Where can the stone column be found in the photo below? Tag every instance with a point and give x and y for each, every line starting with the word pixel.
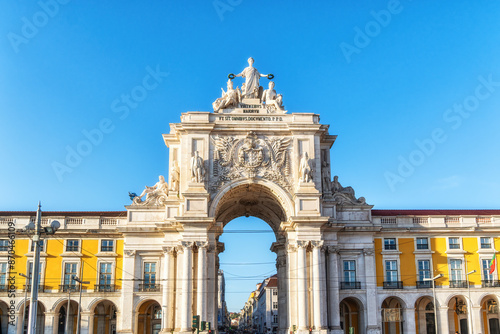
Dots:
pixel 443 319
pixel 17 329
pixel 372 308
pixel 85 322
pixel 187 276
pixel 302 286
pixel 409 320
pixel 49 323
pixel 201 307
pixel 212 282
pixel 317 285
pixel 281 264
pixel 291 267
pixel 167 308
pixel 477 323
pixel 333 290
pixel 127 313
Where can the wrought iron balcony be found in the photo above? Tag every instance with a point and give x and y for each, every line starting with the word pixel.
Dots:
pixel 27 288
pixel 490 283
pixel 393 284
pixel 424 284
pixel 104 288
pixel 69 287
pixel 149 287
pixel 458 284
pixel 350 285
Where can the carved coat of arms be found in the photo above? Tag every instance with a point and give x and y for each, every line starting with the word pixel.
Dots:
pixel 250 157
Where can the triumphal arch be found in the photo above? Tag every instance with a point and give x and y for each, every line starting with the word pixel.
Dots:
pixel 249 156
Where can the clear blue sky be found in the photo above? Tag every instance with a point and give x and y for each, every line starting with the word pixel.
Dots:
pixel 381 81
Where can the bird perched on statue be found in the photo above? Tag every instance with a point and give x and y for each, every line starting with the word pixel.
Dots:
pixel 132 195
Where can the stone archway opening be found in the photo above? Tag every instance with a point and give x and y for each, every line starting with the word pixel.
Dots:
pixel 4 317
pixel 61 315
pixel 148 318
pixel 104 318
pixel 424 315
pixel 40 318
pixel 351 315
pixel 458 314
pixel 393 315
pixel 268 212
pixel 490 314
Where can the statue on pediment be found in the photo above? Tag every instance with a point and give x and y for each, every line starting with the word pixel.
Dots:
pixel 229 99
pixel 252 76
pixel 271 99
pixel 155 195
pixel 345 195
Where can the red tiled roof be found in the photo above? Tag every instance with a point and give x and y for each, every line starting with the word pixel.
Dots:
pixel 435 212
pixel 65 213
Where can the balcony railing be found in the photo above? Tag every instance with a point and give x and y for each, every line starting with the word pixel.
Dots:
pixel 424 284
pixel 350 285
pixel 490 283
pixel 458 284
pixel 69 287
pixel 150 287
pixel 104 288
pixel 393 284
pixel 27 288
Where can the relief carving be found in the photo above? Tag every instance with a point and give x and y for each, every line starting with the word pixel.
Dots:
pixel 251 157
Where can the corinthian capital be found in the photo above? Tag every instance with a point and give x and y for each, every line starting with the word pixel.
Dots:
pixel 291 248
pixel 168 249
pixel 202 244
pixel 129 252
pixel 302 243
pixel 369 251
pixel 317 243
pixel 187 244
pixel 332 249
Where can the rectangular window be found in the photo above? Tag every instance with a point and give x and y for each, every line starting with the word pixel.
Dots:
pixel 391 271
pixel 486 242
pixel 41 246
pixel 456 270
pixel 150 273
pixel 485 266
pixel 275 292
pixel 106 245
pixel 72 245
pixel 350 271
pixel 422 243
pixel 4 245
pixel 3 274
pixel 69 272
pixel 390 243
pixel 454 243
pixel 275 318
pixel 30 273
pixel 105 274
pixel 275 305
pixel 424 269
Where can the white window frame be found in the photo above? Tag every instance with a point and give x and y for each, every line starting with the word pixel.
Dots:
pixel 79 245
pixel 398 278
pixel 107 239
pixel 113 265
pixel 7 240
pixel 462 268
pixel 31 246
pixel 42 271
pixel 460 245
pixel 389 250
pixel 158 269
pixel 428 244
pixel 430 267
pixel 63 265
pixel 344 271
pixel 481 244
pixel 493 276
pixel 7 272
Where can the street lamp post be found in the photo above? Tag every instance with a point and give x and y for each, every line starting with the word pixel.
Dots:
pixel 37 231
pixel 25 298
pixel 469 308
pixel 79 300
pixel 433 279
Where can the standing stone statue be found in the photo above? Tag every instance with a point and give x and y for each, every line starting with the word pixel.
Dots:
pixel 325 174
pixel 174 177
pixel 197 168
pixel 252 77
pixel 305 168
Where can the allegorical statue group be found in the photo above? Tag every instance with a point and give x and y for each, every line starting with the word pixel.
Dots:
pixel 250 89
